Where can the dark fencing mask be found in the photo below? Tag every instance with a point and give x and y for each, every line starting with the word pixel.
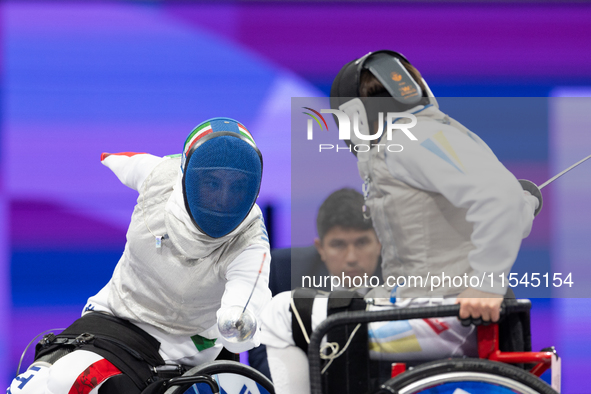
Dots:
pixel 222 171
pixel 400 91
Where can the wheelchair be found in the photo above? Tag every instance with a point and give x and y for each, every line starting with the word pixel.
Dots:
pixel 490 373
pixel 222 376
pixel 216 377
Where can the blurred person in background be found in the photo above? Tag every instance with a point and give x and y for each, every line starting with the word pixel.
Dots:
pixel 346 245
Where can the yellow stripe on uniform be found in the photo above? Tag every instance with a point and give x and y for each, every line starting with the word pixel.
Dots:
pixel 440 137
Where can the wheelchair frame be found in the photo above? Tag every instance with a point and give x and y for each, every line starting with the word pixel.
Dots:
pixel 488 336
pixel 204 374
pixel 488 345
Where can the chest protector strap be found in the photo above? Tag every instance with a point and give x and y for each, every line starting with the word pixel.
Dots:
pixel 303 300
pixel 129 348
pixel 349 373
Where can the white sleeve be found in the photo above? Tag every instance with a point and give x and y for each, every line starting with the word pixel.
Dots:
pixel 241 275
pixel 288 363
pixel 528 213
pixel 465 171
pixel 289 369
pixel 131 168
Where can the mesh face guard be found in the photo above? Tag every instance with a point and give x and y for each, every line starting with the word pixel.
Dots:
pixel 222 171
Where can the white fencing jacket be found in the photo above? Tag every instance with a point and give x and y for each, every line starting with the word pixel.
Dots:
pixel 177 289
pixel 444 205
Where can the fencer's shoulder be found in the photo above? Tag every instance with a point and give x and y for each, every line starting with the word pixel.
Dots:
pixel 258 233
pixel 433 135
pixel 175 157
pixel 426 128
pixel 256 217
pixel 164 168
pixel 253 230
pixel 172 161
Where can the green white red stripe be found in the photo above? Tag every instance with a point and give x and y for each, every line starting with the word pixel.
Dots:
pixel 196 134
pixel 205 129
pixel 246 133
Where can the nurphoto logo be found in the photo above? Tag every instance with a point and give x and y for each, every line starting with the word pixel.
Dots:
pixel 362 133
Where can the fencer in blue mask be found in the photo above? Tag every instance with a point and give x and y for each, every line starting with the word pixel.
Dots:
pixel 195 246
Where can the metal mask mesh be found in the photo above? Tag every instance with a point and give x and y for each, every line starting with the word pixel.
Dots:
pixel 222 181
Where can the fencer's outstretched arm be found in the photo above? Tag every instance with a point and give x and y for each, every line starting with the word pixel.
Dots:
pixel 131 168
pixel 464 170
pixel 241 275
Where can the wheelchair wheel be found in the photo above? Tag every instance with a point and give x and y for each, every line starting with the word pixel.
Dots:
pixel 231 376
pixel 466 376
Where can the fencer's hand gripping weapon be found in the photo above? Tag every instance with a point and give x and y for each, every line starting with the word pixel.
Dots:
pixel 536 190
pixel 237 325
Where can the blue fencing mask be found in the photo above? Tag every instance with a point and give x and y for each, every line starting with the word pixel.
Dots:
pixel 222 170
